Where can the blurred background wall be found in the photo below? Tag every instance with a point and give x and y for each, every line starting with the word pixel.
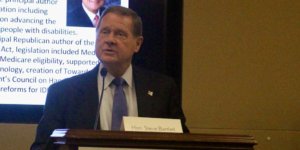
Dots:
pixel 241 61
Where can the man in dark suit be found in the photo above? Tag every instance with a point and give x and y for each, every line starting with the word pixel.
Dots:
pixel 73 102
pixel 85 15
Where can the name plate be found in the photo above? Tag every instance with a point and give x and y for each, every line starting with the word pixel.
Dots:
pixel 144 124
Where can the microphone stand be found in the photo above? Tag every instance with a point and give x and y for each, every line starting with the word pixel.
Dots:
pixel 103 73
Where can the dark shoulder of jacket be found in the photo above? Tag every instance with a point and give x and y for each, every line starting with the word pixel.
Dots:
pixel 152 74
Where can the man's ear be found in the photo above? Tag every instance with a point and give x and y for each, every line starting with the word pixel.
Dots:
pixel 139 42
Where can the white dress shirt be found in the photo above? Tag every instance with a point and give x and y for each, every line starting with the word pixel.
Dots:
pixel 90 14
pixel 108 94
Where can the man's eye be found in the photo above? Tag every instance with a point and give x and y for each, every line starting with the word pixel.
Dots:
pixel 105 32
pixel 121 34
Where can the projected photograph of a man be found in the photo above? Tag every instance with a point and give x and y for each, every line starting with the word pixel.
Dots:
pixel 86 13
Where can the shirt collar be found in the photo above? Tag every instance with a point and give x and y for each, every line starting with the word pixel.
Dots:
pixel 89 13
pixel 127 76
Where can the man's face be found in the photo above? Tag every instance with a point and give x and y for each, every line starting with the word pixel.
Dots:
pixel 93 5
pixel 115 42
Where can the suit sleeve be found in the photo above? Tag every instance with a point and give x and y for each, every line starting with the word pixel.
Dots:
pixel 52 118
pixel 176 106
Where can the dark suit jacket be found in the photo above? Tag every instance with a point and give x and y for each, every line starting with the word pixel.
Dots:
pixel 79 18
pixel 72 103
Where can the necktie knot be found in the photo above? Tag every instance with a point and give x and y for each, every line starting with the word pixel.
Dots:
pixel 96 21
pixel 118 81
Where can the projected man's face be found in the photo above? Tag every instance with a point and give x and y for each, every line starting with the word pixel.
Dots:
pixel 93 5
pixel 115 42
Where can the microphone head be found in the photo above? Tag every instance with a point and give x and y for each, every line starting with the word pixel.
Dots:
pixel 103 72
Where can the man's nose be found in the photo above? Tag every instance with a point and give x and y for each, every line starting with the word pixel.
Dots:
pixel 110 39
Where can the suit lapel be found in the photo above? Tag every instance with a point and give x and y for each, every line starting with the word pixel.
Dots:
pixel 87 100
pixel 144 98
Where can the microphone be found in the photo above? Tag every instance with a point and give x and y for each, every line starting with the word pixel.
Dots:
pixel 103 73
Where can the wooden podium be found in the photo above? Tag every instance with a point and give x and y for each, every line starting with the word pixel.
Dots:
pixel 71 139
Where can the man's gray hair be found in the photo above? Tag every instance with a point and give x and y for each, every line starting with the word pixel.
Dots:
pixel 137 25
